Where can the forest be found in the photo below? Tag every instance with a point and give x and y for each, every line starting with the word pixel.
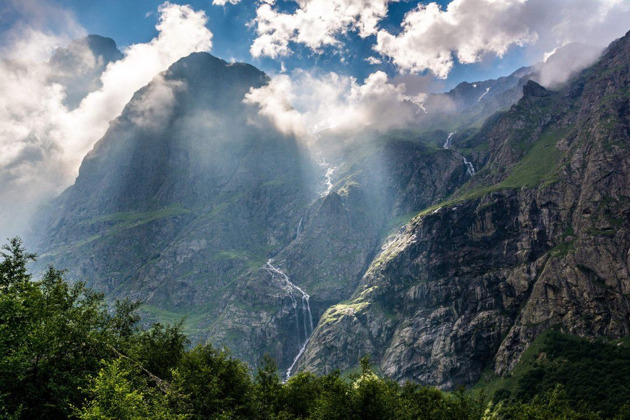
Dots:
pixel 66 352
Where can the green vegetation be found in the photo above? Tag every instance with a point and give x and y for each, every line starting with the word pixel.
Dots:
pixel 65 354
pixel 539 164
pixel 594 375
pixel 538 168
pixel 126 220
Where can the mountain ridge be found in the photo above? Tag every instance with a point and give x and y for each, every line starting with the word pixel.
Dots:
pixel 520 248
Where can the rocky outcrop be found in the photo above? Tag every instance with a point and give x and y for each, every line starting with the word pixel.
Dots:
pixel 188 190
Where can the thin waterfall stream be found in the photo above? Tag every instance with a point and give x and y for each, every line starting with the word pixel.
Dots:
pixel 307 317
pixel 470 169
pixel 447 143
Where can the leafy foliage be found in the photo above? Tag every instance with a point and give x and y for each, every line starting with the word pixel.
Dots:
pixel 595 375
pixel 64 353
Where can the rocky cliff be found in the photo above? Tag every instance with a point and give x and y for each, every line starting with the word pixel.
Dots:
pixel 539 237
pixel 190 193
pixel 197 206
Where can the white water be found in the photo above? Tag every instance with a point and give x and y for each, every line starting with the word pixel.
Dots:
pixel 470 169
pixel 328 177
pixel 299 228
pixel 447 143
pixel 306 312
pixel 483 94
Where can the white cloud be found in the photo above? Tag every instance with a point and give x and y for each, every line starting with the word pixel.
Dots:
pixel 469 29
pixel 43 142
pixel 431 37
pixel 309 103
pixel 154 109
pixel 563 62
pixel 315 23
pixel 224 2
pixel 181 31
pixel 33 35
pixel 274 102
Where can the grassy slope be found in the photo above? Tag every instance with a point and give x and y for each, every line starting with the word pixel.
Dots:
pixel 538 168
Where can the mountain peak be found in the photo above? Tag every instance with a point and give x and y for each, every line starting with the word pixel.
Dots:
pixel 200 66
pixel 100 46
pixel 533 89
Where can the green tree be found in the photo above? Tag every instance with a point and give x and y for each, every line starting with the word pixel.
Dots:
pixel 215 384
pixel 267 388
pixel 551 405
pixel 54 336
pixel 374 398
pixel 120 392
pixel 422 403
pixel 336 398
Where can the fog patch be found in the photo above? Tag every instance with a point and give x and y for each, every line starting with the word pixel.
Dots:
pixel 42 139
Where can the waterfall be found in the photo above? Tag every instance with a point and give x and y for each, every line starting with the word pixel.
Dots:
pixel 483 94
pixel 447 143
pixel 470 169
pixel 299 228
pixel 307 316
pixel 328 175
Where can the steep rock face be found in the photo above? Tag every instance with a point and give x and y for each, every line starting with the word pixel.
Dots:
pixel 539 237
pixel 190 192
pixel 187 184
pixel 333 245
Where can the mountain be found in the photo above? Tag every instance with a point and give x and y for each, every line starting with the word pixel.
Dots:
pixel 441 250
pixel 79 66
pixel 188 184
pixel 198 207
pixel 464 108
pixel 538 238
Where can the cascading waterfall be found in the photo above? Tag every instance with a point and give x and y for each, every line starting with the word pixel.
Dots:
pixel 483 94
pixel 447 143
pixel 307 316
pixel 328 175
pixel 470 169
pixel 299 228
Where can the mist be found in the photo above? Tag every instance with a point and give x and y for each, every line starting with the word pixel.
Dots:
pixel 44 136
pixel 308 103
pixel 563 63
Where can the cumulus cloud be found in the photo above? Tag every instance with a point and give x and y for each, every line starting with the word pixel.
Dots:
pixel 309 103
pixel 315 23
pixel 467 28
pixel 224 2
pixel 43 141
pixel 432 37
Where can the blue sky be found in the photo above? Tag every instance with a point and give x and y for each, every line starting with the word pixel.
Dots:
pixel 130 22
pixel 316 52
